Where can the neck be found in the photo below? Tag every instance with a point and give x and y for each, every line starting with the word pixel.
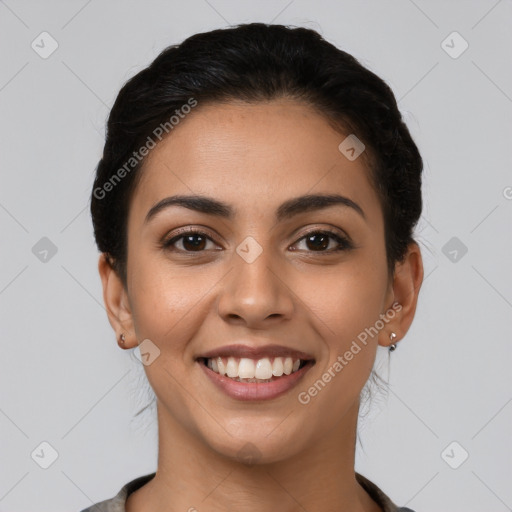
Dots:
pixel 192 477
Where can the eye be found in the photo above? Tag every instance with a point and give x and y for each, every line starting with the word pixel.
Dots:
pixel 319 240
pixel 192 240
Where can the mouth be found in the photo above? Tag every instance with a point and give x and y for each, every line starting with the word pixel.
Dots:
pixel 246 373
pixel 262 371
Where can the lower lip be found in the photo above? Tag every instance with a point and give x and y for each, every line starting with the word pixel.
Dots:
pixel 255 390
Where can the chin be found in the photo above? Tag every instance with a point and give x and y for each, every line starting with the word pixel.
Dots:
pixel 255 446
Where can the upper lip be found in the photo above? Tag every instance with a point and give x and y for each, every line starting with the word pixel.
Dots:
pixel 251 352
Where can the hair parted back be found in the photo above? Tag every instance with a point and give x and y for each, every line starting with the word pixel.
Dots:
pixel 260 62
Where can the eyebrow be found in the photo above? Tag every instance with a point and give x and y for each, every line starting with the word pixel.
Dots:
pixel 286 210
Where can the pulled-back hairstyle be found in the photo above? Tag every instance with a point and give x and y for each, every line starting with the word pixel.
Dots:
pixel 257 62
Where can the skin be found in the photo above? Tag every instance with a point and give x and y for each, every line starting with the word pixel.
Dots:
pixel 254 157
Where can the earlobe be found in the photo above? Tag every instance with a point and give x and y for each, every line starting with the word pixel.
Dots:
pixel 116 303
pixel 406 285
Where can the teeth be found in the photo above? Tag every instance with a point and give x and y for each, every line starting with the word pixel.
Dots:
pixel 220 365
pixel 277 367
pixel 250 370
pixel 288 365
pixel 246 369
pixel 263 369
pixel 232 367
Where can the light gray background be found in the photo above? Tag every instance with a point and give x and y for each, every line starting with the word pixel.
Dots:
pixel 63 378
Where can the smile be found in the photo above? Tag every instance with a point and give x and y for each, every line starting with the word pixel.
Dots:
pixel 249 379
pixel 257 371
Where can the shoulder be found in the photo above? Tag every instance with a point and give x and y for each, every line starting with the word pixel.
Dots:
pixel 117 503
pixel 379 496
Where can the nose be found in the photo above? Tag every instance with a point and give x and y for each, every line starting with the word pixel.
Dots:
pixel 256 293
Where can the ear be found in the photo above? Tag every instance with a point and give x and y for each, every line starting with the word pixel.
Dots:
pixel 403 295
pixel 116 303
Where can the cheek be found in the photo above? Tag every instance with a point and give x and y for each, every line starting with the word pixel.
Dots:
pixel 344 306
pixel 159 304
pixel 168 303
pixel 347 300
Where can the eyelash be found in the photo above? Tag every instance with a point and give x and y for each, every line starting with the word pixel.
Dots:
pixel 344 243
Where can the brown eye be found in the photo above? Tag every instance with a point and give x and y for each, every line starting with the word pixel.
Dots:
pixel 191 241
pixel 319 241
pixel 194 242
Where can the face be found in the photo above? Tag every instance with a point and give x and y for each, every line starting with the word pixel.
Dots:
pixel 255 270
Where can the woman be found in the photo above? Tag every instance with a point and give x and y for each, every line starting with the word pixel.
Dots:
pixel 254 209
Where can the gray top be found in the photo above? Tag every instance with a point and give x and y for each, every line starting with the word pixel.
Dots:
pixel 117 503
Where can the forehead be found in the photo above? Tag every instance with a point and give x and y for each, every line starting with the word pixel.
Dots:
pixel 253 156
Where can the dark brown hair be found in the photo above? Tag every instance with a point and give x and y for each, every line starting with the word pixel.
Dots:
pixel 254 62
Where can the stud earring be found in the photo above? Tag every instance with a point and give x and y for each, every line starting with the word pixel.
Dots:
pixel 392 347
pixel 122 338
